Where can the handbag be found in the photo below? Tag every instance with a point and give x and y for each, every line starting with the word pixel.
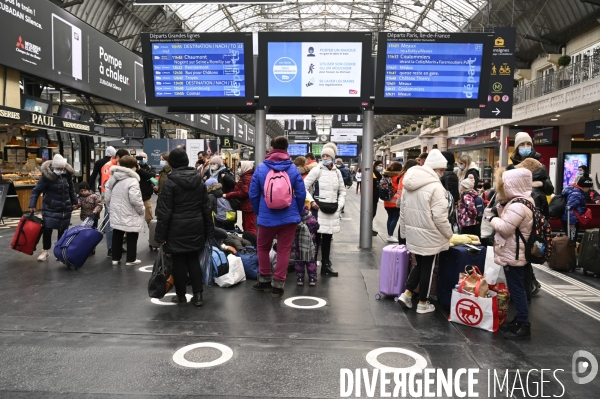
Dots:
pixel 28 234
pixel 473 282
pixel 161 281
pixel 584 219
pixel 475 311
pixel 487 231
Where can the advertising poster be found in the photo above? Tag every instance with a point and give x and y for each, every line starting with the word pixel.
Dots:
pixel 177 143
pixel 154 148
pixel 249 134
pixel 314 69
pixel 211 146
pixel 193 147
pixel 570 165
pixel 226 125
pixel 240 130
pixel 347 122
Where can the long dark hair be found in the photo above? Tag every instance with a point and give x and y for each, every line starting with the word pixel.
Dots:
pixel 409 164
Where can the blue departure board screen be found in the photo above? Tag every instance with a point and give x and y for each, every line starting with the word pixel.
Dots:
pixel 347 150
pixel 297 149
pixel 433 70
pixel 192 70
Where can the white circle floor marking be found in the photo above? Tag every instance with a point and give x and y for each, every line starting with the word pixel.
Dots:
pixel 179 356
pixel 419 365
pixel 159 302
pixel 290 302
pixel 146 269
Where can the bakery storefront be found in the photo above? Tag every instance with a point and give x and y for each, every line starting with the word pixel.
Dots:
pixel 482 147
pixel 30 138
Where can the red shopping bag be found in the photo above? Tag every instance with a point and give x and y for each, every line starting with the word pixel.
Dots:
pixel 28 234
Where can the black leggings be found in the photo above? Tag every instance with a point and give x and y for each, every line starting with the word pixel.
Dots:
pixel 117 245
pixel 184 265
pixel 47 238
pixel 421 276
pixel 357 186
pixel 325 245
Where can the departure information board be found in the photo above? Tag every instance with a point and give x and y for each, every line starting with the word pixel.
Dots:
pixel 433 70
pixel 347 150
pixel 198 69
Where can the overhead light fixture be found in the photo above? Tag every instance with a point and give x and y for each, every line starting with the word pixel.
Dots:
pixel 269 20
pixel 515 125
pixel 553 119
pixel 33 144
pixel 70 100
pixel 51 144
pixel 558 116
pixel 13 142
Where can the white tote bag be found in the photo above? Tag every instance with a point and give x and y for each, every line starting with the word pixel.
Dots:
pixel 487 231
pixel 474 311
pixel 493 273
pixel 236 273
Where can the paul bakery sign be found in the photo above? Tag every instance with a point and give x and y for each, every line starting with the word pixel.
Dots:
pixel 46 121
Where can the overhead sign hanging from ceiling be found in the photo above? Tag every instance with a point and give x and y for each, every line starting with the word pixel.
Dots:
pixel 46 121
pixel 425 71
pixel 147 2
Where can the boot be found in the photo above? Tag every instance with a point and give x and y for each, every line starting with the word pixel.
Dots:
pixel 312 281
pixel 299 280
pixel 508 326
pixel 327 270
pixel 197 299
pixel 44 255
pixel 521 332
pixel 180 300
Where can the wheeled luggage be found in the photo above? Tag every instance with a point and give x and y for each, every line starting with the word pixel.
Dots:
pixel 153 244
pixel 452 263
pixel 76 244
pixel 393 272
pixel 28 234
pixel 589 257
pixel 563 257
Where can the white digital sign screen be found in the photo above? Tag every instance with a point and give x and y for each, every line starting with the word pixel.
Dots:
pixel 314 69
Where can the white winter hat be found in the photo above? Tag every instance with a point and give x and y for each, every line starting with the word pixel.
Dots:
pixel 110 151
pixel 329 149
pixel 58 161
pixel 469 183
pixel 522 137
pixel 435 160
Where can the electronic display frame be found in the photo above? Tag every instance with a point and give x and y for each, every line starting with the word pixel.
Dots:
pixel 67 111
pixel 25 100
pixel 220 104
pixel 570 163
pixel 342 147
pixel 304 105
pixel 298 149
pixel 419 105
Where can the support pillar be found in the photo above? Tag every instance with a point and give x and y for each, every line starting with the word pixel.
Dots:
pixel 504 130
pixel 366 194
pixel 260 140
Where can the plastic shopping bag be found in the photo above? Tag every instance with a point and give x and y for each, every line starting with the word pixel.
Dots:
pixel 206 265
pixel 493 273
pixel 236 273
pixel 474 311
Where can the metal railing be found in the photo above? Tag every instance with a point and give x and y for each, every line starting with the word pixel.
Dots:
pixel 472 113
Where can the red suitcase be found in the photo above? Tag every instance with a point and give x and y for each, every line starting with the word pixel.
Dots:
pixel 28 234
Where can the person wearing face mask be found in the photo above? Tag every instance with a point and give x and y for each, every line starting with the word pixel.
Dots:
pixel 328 199
pixel 105 176
pixel 147 180
pixel 56 186
pixel 220 172
pixel 467 167
pixel 523 150
pixel 424 223
pixel 240 192
pixel 377 176
pixel 163 175
pixel 575 195
pixel 592 196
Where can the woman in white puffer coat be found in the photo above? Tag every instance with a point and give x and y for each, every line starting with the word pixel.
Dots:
pixel 123 198
pixel 329 198
pixel 424 222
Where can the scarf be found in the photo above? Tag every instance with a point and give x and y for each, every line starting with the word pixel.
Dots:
pixel 215 174
pixel 306 248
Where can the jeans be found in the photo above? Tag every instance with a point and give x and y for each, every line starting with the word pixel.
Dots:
pixel 132 239
pixel 108 230
pixel 47 238
pixel 515 280
pixel 184 265
pixel 264 241
pixel 392 220
pixel 421 276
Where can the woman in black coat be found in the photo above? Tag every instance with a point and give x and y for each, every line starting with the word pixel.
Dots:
pixel 377 169
pixel 184 224
pixel 56 185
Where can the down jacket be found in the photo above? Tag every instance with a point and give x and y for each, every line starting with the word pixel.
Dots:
pixel 513 184
pixel 184 217
pixel 541 183
pixel 575 202
pixel 424 212
pixel 396 186
pixel 467 210
pixel 278 160
pixel 240 191
pixel 59 196
pixel 331 189
pixel 123 197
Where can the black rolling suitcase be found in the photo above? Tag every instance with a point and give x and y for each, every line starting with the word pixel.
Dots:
pixel 589 257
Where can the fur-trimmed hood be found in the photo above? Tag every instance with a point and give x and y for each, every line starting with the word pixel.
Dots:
pixel 501 195
pixel 122 173
pixel 304 169
pixel 391 173
pixel 48 172
pixel 214 187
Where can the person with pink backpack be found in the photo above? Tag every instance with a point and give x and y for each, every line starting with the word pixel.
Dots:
pixel 277 195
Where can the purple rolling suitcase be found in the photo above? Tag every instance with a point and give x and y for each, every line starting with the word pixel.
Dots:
pixel 393 272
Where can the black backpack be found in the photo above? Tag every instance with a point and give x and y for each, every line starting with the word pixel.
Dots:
pixel 557 206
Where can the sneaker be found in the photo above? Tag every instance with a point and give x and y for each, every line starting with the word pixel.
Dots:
pixel 135 262
pixel 405 300
pixel 392 239
pixel 44 255
pixel 312 281
pixel 427 308
pixel 197 300
pixel 521 332
pixel 109 253
pixel 276 292
pixel 116 262
pixel 180 300
pixel 536 288
pixel 300 280
pixel 266 286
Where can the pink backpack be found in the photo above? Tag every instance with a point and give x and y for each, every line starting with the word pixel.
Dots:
pixel 278 190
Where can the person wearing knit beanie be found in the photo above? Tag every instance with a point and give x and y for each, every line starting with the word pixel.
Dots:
pixel 211 181
pixel 217 160
pixel 58 162
pixel 330 149
pixel 178 158
pixel 110 151
pixel 467 184
pixel 435 160
pixel 523 149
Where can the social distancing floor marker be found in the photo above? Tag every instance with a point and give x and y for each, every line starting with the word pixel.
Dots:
pixel 290 302
pixel 573 294
pixel 159 302
pixel 179 356
pixel 420 361
pixel 146 269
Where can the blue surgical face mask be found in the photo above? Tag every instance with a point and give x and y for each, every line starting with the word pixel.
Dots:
pixel 579 173
pixel 163 163
pixel 143 161
pixel 380 168
pixel 524 151
pixel 327 162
